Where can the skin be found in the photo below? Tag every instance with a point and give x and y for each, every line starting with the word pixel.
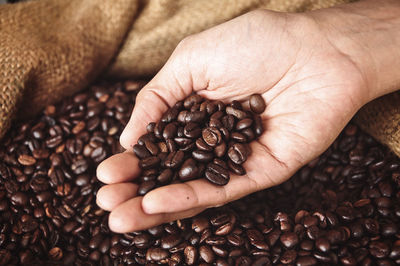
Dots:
pixel 314 70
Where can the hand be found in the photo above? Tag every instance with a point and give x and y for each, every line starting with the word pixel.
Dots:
pixel 311 87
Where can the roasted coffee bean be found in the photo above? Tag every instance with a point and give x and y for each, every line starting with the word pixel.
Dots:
pixel 379 249
pixel 238 153
pixel 170 115
pixel 151 147
pixel 149 162
pixel 216 174
pixel 156 254
pixel 236 168
pixel 211 136
pixel 201 145
pixel 174 159
pixel 289 239
pixel 228 121
pixel 165 176
pixel 206 254
pixel 202 156
pixel 170 241
pixel 192 100
pixel 170 131
pixel 191 255
pixel 195 116
pixel 239 114
pixel 19 199
pixel 192 130
pixel 189 170
pixel 220 150
pixel 244 123
pixel 145 187
pixel 257 103
pixel 322 244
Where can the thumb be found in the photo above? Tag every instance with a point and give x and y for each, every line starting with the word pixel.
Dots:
pixel 171 84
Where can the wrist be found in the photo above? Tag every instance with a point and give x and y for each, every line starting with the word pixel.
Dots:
pixel 368 32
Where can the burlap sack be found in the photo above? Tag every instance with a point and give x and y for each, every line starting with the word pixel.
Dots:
pixel 53 48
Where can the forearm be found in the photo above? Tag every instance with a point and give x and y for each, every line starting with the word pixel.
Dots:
pixel 369 32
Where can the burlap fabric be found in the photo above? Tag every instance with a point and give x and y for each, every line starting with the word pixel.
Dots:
pixel 53 48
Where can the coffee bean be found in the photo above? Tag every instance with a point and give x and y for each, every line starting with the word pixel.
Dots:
pixel 379 249
pixel 211 136
pixel 202 156
pixel 239 114
pixel 238 153
pixel 170 115
pixel 289 256
pixel 201 145
pixel 257 103
pixel 145 187
pixel 322 244
pixel 170 131
pixel 170 241
pixel 244 123
pixel 151 147
pixel 165 176
pixel 26 159
pixel 174 159
pixel 192 130
pixel 191 255
pixel 149 162
pixel 19 199
pixel 189 170
pixel 206 254
pixel 236 168
pixel 372 226
pixel 216 174
pixel 192 100
pixel 289 240
pixel 220 150
pixel 306 261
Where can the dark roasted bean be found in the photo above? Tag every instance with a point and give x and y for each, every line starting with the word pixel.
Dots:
pixel 211 136
pixel 238 153
pixel 202 156
pixel 216 174
pixel 257 103
pixel 174 159
pixel 189 170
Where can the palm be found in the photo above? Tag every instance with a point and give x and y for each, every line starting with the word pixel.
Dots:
pixel 309 89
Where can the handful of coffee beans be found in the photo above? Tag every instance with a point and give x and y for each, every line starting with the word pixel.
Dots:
pixel 198 138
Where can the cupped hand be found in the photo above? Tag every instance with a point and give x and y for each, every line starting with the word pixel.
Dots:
pixel 311 88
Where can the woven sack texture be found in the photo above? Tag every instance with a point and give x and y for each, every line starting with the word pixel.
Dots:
pixel 53 48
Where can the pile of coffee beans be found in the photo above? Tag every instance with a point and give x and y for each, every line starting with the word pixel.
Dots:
pixel 198 138
pixel 341 208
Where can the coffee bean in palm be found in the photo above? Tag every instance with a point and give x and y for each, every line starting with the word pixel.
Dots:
pixel 165 176
pixel 220 149
pixel 202 156
pixel 145 187
pixel 201 145
pixel 149 162
pixel 189 170
pixel 238 137
pixel 169 131
pixel 174 159
pixel 238 153
pixel 151 147
pixel 239 114
pixel 217 175
pixel 257 103
pixel 211 136
pixel 192 130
